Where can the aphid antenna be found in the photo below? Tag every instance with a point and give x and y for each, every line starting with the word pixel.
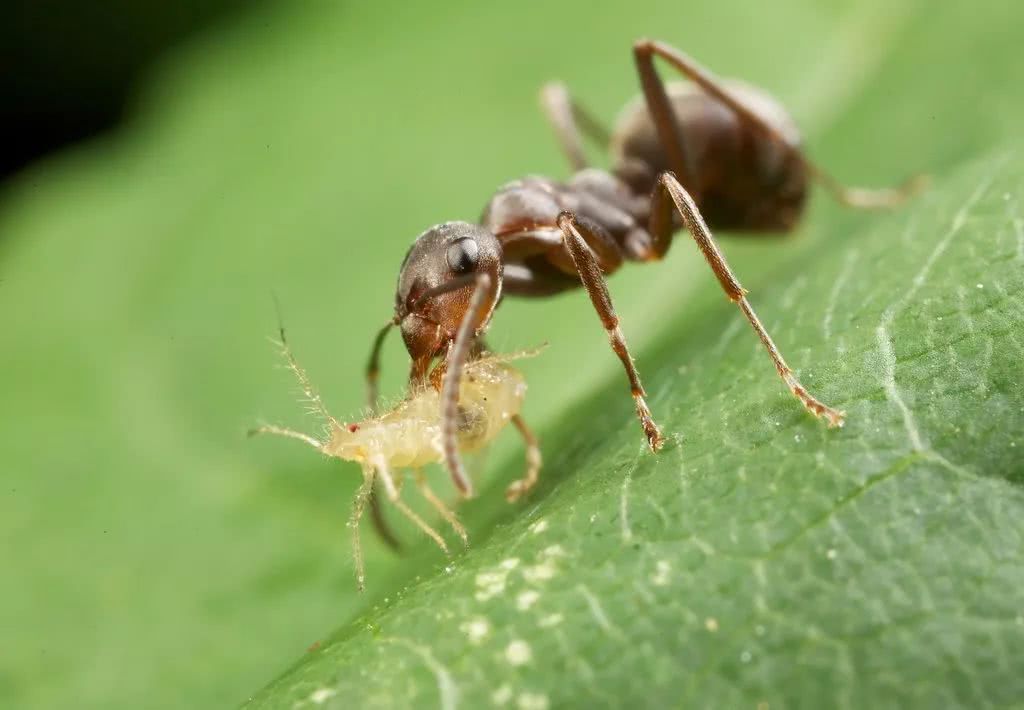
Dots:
pixel 312 397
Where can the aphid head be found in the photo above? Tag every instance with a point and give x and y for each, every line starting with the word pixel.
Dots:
pixel 435 285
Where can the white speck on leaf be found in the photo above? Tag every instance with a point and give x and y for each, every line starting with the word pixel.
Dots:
pixel 539 527
pixel 518 653
pixel 532 701
pixel 550 620
pixel 502 695
pixel 661 573
pixel 476 629
pixel 831 554
pixel 491 583
pixel 711 624
pixel 540 573
pixel 527 599
pixel 321 695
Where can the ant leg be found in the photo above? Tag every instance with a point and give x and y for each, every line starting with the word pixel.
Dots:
pixel 440 507
pixel 290 433
pixel 645 50
pixel 737 294
pixel 457 355
pixel 573 231
pixel 568 118
pixel 373 366
pixel 660 108
pixel 533 463
pixel 358 505
pixel 380 523
pixel 865 198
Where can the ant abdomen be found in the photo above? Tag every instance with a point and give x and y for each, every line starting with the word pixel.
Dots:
pixel 741 178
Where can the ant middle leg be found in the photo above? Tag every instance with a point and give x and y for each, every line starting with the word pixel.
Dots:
pixel 570 122
pixel 669 189
pixel 658 104
pixel 577 235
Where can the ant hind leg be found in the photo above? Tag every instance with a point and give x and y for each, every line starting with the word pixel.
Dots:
pixel 865 198
pixel 571 122
pixel 645 50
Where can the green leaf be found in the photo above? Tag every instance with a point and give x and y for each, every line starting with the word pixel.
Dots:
pixel 760 559
pixel 153 557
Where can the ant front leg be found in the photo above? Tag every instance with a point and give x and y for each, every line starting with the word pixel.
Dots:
pixel 568 118
pixel 669 191
pixel 380 523
pixel 577 235
pixel 658 104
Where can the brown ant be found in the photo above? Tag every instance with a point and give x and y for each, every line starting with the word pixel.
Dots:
pixel 709 153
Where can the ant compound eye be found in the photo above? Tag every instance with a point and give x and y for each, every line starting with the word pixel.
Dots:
pixel 463 255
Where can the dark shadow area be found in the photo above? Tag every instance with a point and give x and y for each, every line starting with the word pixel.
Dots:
pixel 68 68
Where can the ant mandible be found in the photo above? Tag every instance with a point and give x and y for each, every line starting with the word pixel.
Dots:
pixel 709 153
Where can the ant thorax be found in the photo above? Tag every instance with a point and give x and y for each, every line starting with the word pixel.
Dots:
pixel 409 435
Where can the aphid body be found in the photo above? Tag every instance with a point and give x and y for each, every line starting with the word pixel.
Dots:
pixel 409 436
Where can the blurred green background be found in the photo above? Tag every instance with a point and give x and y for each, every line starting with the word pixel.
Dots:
pixel 151 555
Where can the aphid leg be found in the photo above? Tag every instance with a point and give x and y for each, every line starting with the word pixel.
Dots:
pixel 576 236
pixel 457 355
pixel 568 119
pixel 533 463
pixel 439 505
pixel 737 294
pixel 290 433
pixel 358 505
pixel 394 496
pixel 644 52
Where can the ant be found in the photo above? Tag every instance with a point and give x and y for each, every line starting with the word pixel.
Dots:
pixel 706 153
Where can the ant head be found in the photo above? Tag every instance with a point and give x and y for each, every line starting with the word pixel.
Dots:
pixel 436 283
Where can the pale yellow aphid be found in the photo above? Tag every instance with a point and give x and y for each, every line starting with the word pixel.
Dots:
pixel 409 436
